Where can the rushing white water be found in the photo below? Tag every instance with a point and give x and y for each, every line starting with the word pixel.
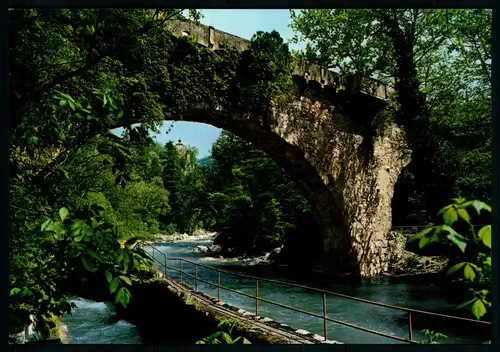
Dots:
pixel 95 323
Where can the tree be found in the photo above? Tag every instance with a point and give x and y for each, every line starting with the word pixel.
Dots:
pixel 424 54
pixel 254 203
pixel 51 243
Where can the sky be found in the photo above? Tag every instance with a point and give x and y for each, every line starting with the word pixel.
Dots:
pixel 244 24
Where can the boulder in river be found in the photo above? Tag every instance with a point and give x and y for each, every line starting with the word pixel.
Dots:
pixel 404 262
pixel 215 249
pixel 200 249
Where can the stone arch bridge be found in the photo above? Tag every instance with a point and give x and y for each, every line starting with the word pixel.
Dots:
pixel 347 175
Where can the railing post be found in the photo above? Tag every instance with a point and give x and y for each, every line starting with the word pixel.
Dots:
pixel 180 270
pixel 218 286
pixel 196 278
pixel 410 329
pixel 165 262
pixel 325 328
pixel 256 298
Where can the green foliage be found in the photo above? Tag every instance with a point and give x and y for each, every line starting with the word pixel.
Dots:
pixel 450 51
pixel 183 179
pixel 224 337
pixel 475 250
pixel 104 206
pixel 433 337
pixel 75 76
pixel 254 204
pixel 263 76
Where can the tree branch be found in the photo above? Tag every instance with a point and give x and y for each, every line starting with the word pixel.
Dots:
pixel 483 63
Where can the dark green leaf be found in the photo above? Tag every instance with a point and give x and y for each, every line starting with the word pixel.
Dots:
pixel 126 280
pixel 26 292
pixel 469 273
pixel 421 234
pixel 137 264
pixel 478 309
pixel 450 216
pixel 227 339
pixel 119 297
pixel 126 296
pixel 443 210
pixel 455 268
pixel 464 215
pixel 109 276
pixel 33 140
pixel 478 205
pixel 127 260
pixel 113 285
pixel 485 235
pixel 47 225
pixel 73 253
pixel 457 239
pixel 76 227
pixel 87 230
pixel 63 213
pixel 60 230
pixel 88 265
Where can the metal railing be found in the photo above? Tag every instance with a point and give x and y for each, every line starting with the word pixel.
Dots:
pixel 323 316
pixel 410 230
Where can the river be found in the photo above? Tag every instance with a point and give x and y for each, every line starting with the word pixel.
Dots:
pixel 95 323
pixel 422 296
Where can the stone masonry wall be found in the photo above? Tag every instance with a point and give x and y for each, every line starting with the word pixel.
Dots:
pixel 217 39
pixel 348 174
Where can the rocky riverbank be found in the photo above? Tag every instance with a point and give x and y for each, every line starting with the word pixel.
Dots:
pixel 198 235
pixel 403 262
pixel 406 263
pixel 215 253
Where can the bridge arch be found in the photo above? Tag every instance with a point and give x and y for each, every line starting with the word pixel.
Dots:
pixel 325 137
pixel 348 187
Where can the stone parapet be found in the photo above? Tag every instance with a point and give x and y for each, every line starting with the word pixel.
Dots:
pixel 216 39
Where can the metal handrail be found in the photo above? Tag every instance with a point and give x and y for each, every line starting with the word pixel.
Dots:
pixel 324 292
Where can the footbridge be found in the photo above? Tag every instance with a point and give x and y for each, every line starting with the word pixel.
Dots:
pixel 206 285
